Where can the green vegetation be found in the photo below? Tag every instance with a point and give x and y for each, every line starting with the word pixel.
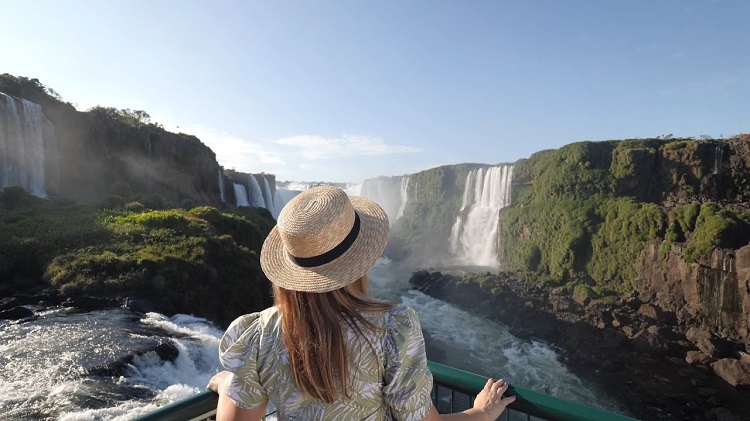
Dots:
pixel 548 240
pixel 200 261
pixel 620 238
pixel 717 227
pixel 31 89
pixel 135 118
pixel 583 214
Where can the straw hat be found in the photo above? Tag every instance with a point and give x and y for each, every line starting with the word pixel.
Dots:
pixel 324 240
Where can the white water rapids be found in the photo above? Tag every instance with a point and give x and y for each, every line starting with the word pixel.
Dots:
pixel 46 360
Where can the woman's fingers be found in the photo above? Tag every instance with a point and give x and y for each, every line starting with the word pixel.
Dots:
pixel 489 384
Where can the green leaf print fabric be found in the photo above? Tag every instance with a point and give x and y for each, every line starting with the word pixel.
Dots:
pixel 390 381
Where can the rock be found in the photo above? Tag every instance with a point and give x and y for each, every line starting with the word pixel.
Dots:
pixel 697 357
pixel 709 344
pixel 649 340
pixel 561 304
pixel 732 371
pixel 164 349
pixel 8 303
pixel 16 313
pixel 650 311
pixel 629 331
pixel 582 296
pixel 89 303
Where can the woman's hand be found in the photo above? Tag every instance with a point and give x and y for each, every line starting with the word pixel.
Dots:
pixel 217 380
pixel 491 401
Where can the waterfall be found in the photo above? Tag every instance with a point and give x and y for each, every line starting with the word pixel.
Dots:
pixel 268 196
pixel 404 196
pixel 24 131
pixel 222 189
pixel 282 197
pixel 717 159
pixel 474 235
pixel 256 196
pixel 388 192
pixel 241 194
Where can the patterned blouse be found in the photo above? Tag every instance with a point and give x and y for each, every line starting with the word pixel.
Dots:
pixel 392 382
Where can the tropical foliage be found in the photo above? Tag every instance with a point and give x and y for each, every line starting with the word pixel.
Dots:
pixel 200 261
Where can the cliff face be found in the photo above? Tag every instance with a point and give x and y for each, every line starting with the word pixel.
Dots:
pixel 88 157
pixel 95 158
pixel 713 293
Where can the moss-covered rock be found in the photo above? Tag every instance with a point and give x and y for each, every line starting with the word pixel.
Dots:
pixel 200 261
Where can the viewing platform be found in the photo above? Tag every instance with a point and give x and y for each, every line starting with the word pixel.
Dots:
pixel 453 391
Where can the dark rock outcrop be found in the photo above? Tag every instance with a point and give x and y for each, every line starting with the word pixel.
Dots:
pixel 632 348
pixel 16 313
pixel 164 349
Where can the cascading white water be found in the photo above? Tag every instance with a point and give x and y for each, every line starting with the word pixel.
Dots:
pixel 240 195
pixel 354 190
pixel 404 196
pixel 256 196
pixel 281 198
pixel 24 131
pixel 268 196
pixel 47 360
pixel 222 190
pixel 388 192
pixel 474 235
pixel 717 159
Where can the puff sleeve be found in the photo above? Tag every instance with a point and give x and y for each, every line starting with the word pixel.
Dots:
pixel 238 353
pixel 408 381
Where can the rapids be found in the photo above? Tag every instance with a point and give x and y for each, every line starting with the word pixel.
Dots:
pixel 48 360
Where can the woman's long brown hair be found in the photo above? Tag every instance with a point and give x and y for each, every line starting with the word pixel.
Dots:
pixel 312 325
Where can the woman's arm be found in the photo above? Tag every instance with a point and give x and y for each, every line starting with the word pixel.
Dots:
pixel 488 405
pixel 227 410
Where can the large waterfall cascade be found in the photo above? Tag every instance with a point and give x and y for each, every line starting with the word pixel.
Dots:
pixel 256 196
pixel 241 194
pixel 474 236
pixel 717 159
pixel 268 196
pixel 257 192
pixel 24 133
pixel 404 196
pixel 391 193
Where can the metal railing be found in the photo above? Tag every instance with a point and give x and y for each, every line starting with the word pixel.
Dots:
pixel 453 390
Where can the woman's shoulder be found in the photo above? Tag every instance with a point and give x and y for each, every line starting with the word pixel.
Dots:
pixel 402 317
pixel 256 320
pixel 245 331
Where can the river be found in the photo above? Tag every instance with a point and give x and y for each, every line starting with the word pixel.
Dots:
pixel 47 361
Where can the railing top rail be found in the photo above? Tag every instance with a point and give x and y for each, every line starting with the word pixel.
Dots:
pixel 527 401
pixel 533 403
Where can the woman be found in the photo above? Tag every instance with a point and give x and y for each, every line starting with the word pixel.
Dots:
pixel 326 350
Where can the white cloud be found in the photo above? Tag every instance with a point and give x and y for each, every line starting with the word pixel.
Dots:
pixel 236 152
pixel 318 147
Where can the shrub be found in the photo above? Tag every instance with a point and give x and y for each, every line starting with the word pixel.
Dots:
pixel 135 207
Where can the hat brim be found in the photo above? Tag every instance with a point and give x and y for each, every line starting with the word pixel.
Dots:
pixel 347 268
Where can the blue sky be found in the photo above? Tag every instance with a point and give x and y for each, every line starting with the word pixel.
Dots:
pixel 348 90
